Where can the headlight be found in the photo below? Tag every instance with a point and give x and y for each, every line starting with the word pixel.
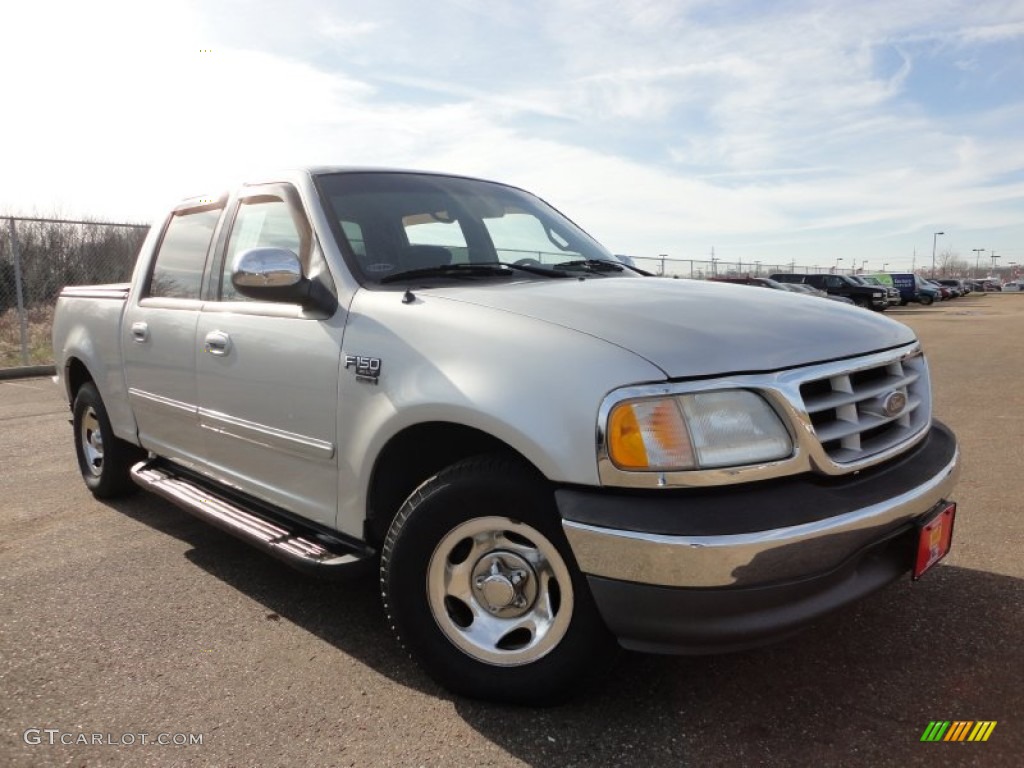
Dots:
pixel 878 295
pixel 697 431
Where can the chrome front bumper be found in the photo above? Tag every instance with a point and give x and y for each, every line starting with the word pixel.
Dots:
pixel 756 557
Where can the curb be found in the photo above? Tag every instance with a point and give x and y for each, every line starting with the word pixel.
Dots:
pixel 27 371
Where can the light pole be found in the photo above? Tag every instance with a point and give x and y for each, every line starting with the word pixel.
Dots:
pixel 836 268
pixel 884 266
pixel 977 259
pixel 994 257
pixel 757 269
pixel 863 264
pixel 935 238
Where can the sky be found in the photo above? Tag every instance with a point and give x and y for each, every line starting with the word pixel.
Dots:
pixel 786 131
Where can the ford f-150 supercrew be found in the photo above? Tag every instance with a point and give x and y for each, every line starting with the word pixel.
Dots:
pixel 544 449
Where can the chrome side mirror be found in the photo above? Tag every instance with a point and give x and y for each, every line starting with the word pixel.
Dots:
pixel 275 274
pixel 260 268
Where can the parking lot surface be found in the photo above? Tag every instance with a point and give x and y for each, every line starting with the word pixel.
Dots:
pixel 130 618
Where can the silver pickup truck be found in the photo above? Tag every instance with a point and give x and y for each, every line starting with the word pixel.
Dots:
pixel 545 450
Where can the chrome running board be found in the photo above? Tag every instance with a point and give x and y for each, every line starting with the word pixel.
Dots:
pixel 300 546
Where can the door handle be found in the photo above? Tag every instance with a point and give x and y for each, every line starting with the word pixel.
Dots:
pixel 217 343
pixel 140 332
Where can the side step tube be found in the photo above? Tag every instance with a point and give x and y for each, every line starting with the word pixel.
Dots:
pixel 298 546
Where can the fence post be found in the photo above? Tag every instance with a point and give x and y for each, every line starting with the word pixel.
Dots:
pixel 18 291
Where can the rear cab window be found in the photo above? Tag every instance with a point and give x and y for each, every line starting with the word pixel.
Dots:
pixel 180 259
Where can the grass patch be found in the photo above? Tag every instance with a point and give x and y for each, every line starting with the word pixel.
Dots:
pixel 40 342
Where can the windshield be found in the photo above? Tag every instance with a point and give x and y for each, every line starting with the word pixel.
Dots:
pixel 394 223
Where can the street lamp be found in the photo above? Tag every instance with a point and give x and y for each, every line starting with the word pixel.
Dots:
pixel 935 238
pixel 863 264
pixel 977 258
pixel 884 266
pixel 836 268
pixel 994 257
pixel 757 269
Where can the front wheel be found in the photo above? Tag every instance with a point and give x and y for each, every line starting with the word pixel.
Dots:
pixel 926 300
pixel 103 459
pixel 481 587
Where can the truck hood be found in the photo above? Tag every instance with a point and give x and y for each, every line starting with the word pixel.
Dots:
pixel 690 328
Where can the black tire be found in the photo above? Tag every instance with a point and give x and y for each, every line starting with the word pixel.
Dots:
pixel 103 459
pixel 524 628
pixel 925 300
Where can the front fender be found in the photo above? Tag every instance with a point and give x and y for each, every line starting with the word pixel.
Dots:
pixel 535 386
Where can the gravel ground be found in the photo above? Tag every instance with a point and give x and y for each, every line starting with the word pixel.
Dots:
pixel 133 618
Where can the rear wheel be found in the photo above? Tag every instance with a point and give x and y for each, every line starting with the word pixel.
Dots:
pixel 925 300
pixel 481 587
pixel 103 459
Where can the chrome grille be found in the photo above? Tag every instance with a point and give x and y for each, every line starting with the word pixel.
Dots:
pixel 848 410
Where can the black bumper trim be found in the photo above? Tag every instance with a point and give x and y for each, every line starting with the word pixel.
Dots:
pixel 659 619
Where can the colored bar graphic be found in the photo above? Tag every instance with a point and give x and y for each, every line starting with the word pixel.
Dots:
pixel 935 730
pixel 982 730
pixel 958 730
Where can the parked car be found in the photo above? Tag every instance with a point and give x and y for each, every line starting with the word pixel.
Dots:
pixel 540 454
pixel 955 287
pixel 927 293
pixel 1013 285
pixel 945 292
pixel 870 297
pixel 891 294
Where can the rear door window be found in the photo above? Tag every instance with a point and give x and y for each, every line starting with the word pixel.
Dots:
pixel 181 258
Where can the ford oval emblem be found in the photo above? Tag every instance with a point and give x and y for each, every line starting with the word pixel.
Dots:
pixel 894 403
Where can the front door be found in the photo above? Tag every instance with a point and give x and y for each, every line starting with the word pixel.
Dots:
pixel 267 372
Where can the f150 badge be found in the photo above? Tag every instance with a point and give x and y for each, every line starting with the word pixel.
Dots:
pixel 367 368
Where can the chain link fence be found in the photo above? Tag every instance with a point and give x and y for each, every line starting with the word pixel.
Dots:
pixel 698 269
pixel 40 256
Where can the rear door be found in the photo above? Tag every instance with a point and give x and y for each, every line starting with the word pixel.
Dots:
pixel 158 335
pixel 267 372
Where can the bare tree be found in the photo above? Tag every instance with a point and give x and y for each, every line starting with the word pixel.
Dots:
pixel 949 263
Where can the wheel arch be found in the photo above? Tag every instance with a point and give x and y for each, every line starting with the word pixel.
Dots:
pixel 412 456
pixel 76 374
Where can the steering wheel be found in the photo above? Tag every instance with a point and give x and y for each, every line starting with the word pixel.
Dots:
pixel 528 262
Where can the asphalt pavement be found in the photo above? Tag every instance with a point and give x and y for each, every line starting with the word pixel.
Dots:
pixel 130 618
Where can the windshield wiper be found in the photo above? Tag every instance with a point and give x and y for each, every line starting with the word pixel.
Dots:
pixel 449 270
pixel 471 269
pixel 591 265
